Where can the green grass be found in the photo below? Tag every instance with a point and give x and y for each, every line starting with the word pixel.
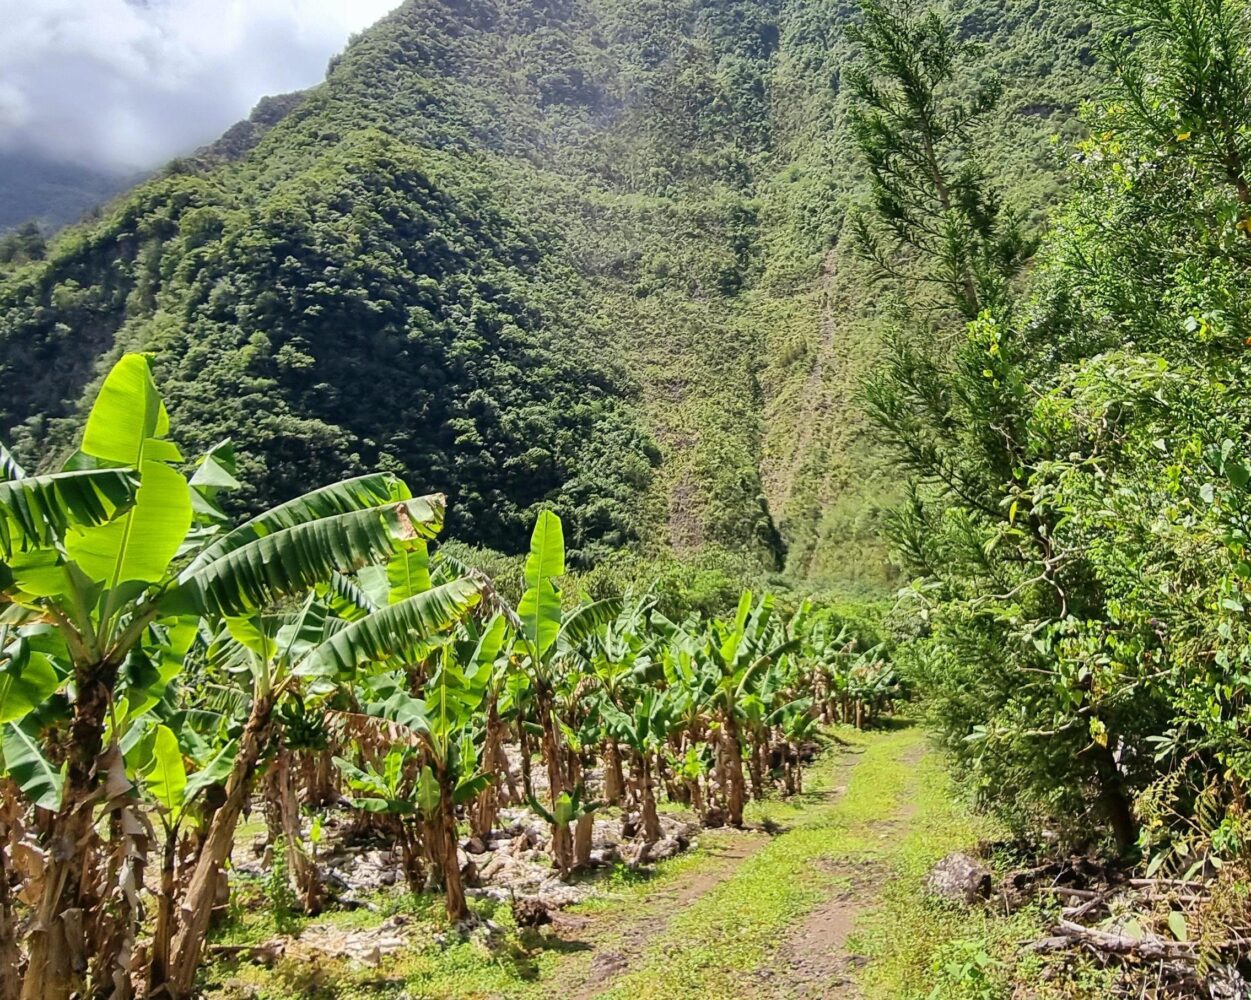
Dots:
pixel 920 949
pixel 517 964
pixel 707 949
pixel 911 939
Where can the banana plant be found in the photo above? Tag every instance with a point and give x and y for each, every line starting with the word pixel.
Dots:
pixel 451 700
pixel 617 656
pixel 501 695
pixel 107 548
pixel 733 653
pixel 794 721
pixel 454 698
pixel 156 762
pixel 691 768
pixel 443 775
pixel 644 730
pixel 279 652
pixel 761 709
pixel 549 636
pixel 393 788
pixel 567 808
pixel 582 731
pixel 871 682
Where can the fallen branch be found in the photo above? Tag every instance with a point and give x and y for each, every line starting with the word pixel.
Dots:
pixel 1076 912
pixel 1150 948
pixel 1152 883
pixel 259 954
pixel 1064 890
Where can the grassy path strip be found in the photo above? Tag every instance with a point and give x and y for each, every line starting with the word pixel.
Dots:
pixel 619 931
pixel 916 949
pixel 712 948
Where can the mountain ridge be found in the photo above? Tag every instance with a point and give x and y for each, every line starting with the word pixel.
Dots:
pixel 668 184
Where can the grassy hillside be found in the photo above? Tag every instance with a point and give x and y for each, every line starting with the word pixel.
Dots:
pixel 529 251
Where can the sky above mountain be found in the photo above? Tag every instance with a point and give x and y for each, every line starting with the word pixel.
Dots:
pixel 123 85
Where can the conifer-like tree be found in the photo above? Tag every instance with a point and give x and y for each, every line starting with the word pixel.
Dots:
pixel 936 219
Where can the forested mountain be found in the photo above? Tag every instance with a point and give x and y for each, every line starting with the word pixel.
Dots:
pixel 578 251
pixel 751 292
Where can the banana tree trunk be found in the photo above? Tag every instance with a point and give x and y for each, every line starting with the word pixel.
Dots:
pixel 410 852
pixel 562 842
pixel 56 943
pixel 317 767
pixel 719 782
pixel 121 879
pixel 508 794
pixel 651 819
pixel 523 739
pixel 484 813
pixel 453 887
pixel 10 819
pixel 284 824
pixel 790 766
pixel 737 791
pixel 584 829
pixel 163 932
pixel 197 907
pixel 695 796
pixel 583 841
pixel 431 847
pixel 614 779
pixel 486 808
pixel 755 765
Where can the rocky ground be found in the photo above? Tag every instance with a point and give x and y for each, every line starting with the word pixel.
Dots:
pixel 511 862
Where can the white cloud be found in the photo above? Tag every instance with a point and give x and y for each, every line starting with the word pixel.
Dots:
pixel 127 84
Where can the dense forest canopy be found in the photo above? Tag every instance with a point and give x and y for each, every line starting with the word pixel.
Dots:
pixel 1075 524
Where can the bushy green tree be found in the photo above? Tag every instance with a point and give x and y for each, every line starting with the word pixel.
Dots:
pixel 1076 523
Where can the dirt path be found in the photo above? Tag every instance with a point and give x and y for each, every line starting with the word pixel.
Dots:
pixel 617 950
pixel 764 917
pixel 814 960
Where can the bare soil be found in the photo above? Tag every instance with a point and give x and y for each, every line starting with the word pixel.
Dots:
pixel 616 952
pixel 814 962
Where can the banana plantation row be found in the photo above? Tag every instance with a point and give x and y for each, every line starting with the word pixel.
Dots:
pixel 158 669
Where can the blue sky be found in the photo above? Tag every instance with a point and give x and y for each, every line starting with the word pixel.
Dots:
pixel 127 84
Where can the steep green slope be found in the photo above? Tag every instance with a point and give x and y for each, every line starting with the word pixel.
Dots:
pixel 572 251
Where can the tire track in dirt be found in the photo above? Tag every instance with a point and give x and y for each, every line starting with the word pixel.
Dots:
pixel 828 852
pixel 813 962
pixel 615 950
pixel 622 951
